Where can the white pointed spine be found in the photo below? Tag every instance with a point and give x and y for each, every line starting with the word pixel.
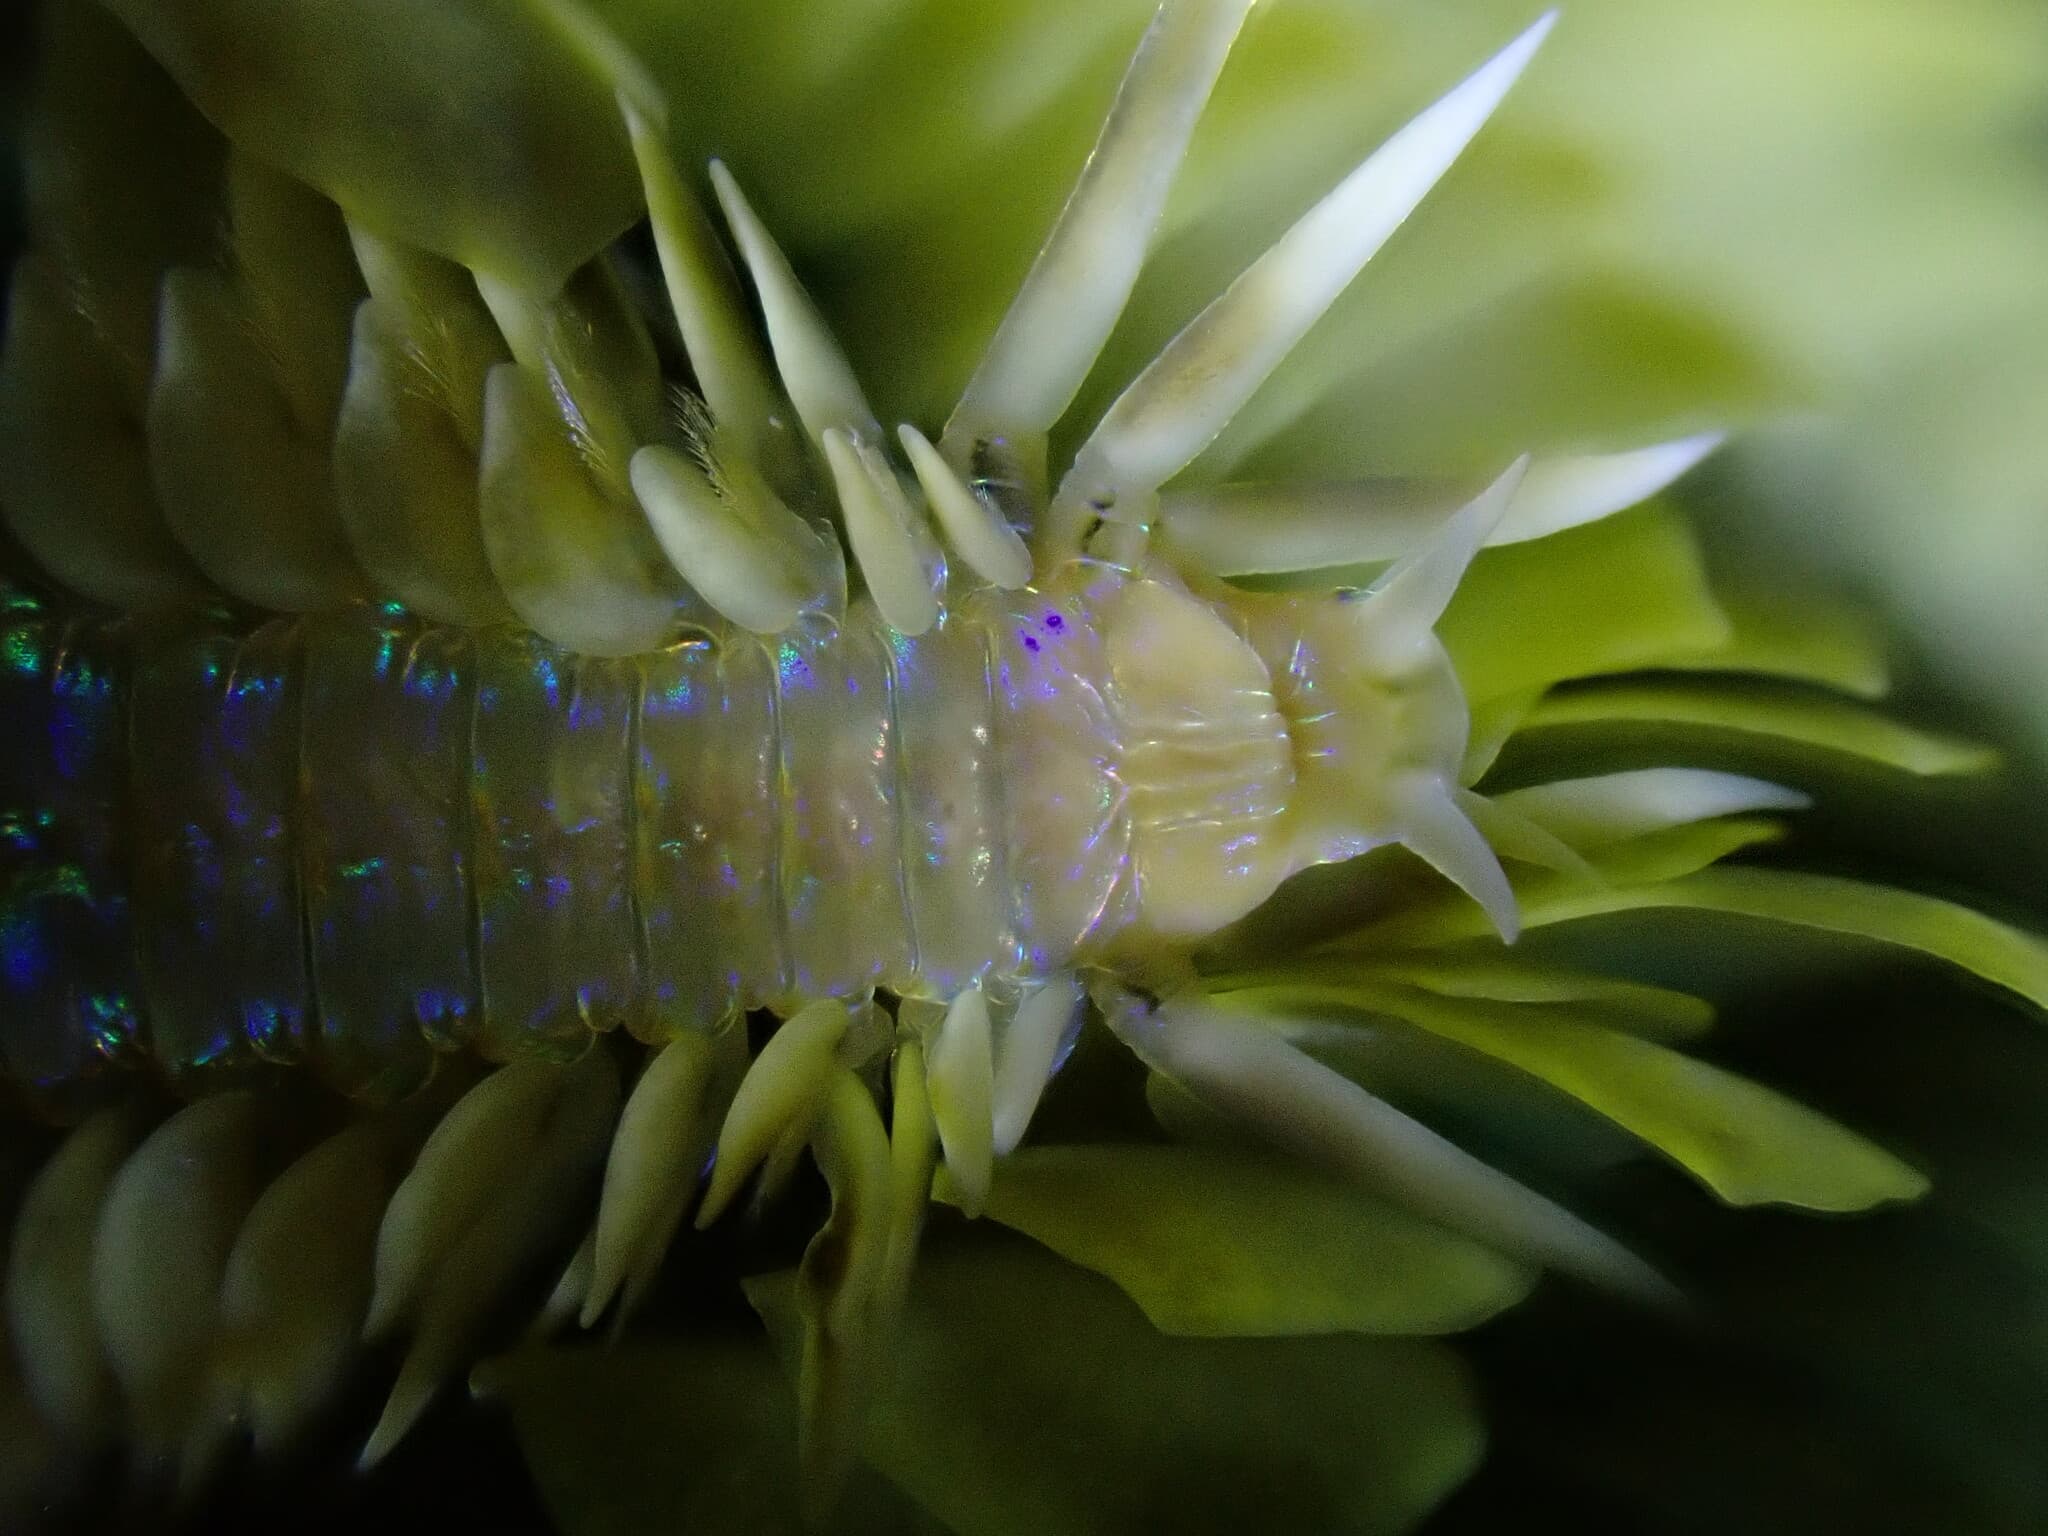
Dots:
pixel 1436 830
pixel 1204 375
pixel 1256 529
pixel 1239 1067
pixel 717 332
pixel 1562 493
pixel 1032 1044
pixel 882 530
pixel 820 381
pixel 1083 275
pixel 961 1076
pixel 1590 812
pixel 1406 603
pixel 977 532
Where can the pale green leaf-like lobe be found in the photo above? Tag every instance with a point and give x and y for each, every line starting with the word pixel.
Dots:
pixel 1513 835
pixel 567 553
pixel 56 1341
pixel 409 433
pixel 2005 956
pixel 1747 1144
pixel 913 1154
pixel 1544 897
pixel 1614 1002
pixel 838 1286
pixel 251 365
pixel 1354 1434
pixel 600 1431
pixel 297 1283
pixel 80 496
pixel 1229 1244
pixel 166 1225
pixel 1042 1026
pixel 1671 871
pixel 1808 720
pixel 1807 639
pixel 784 1090
pixel 514 161
pixel 451 1182
pixel 665 1134
pixel 748 563
pixel 528 1212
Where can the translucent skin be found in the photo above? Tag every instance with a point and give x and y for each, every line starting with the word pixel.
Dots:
pixel 357 840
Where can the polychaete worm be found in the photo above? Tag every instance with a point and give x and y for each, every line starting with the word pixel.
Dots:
pixel 499 719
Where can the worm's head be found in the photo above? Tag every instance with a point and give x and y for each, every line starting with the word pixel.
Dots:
pixel 1265 732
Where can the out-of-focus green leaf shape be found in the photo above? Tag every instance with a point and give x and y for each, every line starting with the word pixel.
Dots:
pixel 1747 1144
pixel 1031 1398
pixel 1805 719
pixel 692 1434
pixel 1611 1002
pixel 1610 596
pixel 1808 639
pixel 1669 871
pixel 123 179
pixel 513 159
pixel 1232 1244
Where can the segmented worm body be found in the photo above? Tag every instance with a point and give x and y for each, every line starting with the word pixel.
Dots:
pixel 357 839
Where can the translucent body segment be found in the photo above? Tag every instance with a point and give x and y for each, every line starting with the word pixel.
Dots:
pixel 548 782
pixel 1207 760
pixel 705 835
pixel 841 859
pixel 685 986
pixel 384 846
pixel 68 999
pixel 213 731
pixel 954 857
pixel 1067 825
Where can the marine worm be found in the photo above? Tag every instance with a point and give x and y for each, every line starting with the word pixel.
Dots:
pixel 498 720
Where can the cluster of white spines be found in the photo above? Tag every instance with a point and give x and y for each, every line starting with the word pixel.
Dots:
pixel 741 548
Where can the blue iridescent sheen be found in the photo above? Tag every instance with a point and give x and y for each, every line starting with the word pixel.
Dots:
pixel 213 728
pixel 68 991
pixel 548 785
pixel 383 833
